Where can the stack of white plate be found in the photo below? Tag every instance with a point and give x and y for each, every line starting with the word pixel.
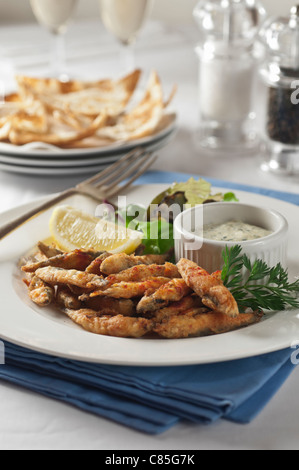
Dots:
pixel 40 159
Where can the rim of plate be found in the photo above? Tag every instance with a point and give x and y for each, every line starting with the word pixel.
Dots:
pixel 71 169
pixel 58 153
pixel 77 161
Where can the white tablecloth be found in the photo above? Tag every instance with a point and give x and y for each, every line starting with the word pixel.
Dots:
pixel 30 421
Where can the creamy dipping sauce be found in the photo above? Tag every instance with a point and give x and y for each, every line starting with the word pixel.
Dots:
pixel 234 231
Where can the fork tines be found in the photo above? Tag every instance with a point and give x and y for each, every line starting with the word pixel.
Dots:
pixel 130 167
pixel 117 167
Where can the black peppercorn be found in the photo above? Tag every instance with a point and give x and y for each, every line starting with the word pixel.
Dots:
pixel 283 116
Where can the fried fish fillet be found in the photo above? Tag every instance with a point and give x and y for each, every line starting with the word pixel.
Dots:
pixel 59 276
pixel 209 288
pixel 40 293
pixel 174 291
pixel 108 305
pixel 194 323
pixel 120 262
pixel 77 259
pixel 67 299
pixel 96 264
pixel 176 308
pixel 143 272
pixel 129 290
pixel 49 251
pixel 118 326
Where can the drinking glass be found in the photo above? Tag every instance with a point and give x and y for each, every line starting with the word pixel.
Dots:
pixel 55 15
pixel 124 19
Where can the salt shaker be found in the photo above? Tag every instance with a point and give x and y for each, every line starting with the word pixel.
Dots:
pixel 229 58
pixel 280 73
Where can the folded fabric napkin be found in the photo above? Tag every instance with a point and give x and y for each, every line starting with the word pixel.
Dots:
pixel 154 399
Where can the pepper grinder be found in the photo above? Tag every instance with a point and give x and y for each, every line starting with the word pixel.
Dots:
pixel 229 59
pixel 280 73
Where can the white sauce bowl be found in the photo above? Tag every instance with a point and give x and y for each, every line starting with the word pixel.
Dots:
pixel 272 249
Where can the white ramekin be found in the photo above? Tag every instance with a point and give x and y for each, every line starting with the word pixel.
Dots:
pixel 272 249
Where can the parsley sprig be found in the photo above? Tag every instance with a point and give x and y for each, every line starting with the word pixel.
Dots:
pixel 274 293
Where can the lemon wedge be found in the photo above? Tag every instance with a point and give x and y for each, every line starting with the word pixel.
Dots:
pixel 72 229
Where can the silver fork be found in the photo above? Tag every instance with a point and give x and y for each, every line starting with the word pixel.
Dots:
pixel 104 185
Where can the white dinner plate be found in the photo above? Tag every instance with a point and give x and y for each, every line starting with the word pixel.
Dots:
pixel 48 331
pixel 83 160
pixel 62 167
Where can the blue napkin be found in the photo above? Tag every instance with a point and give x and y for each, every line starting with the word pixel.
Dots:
pixel 154 399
